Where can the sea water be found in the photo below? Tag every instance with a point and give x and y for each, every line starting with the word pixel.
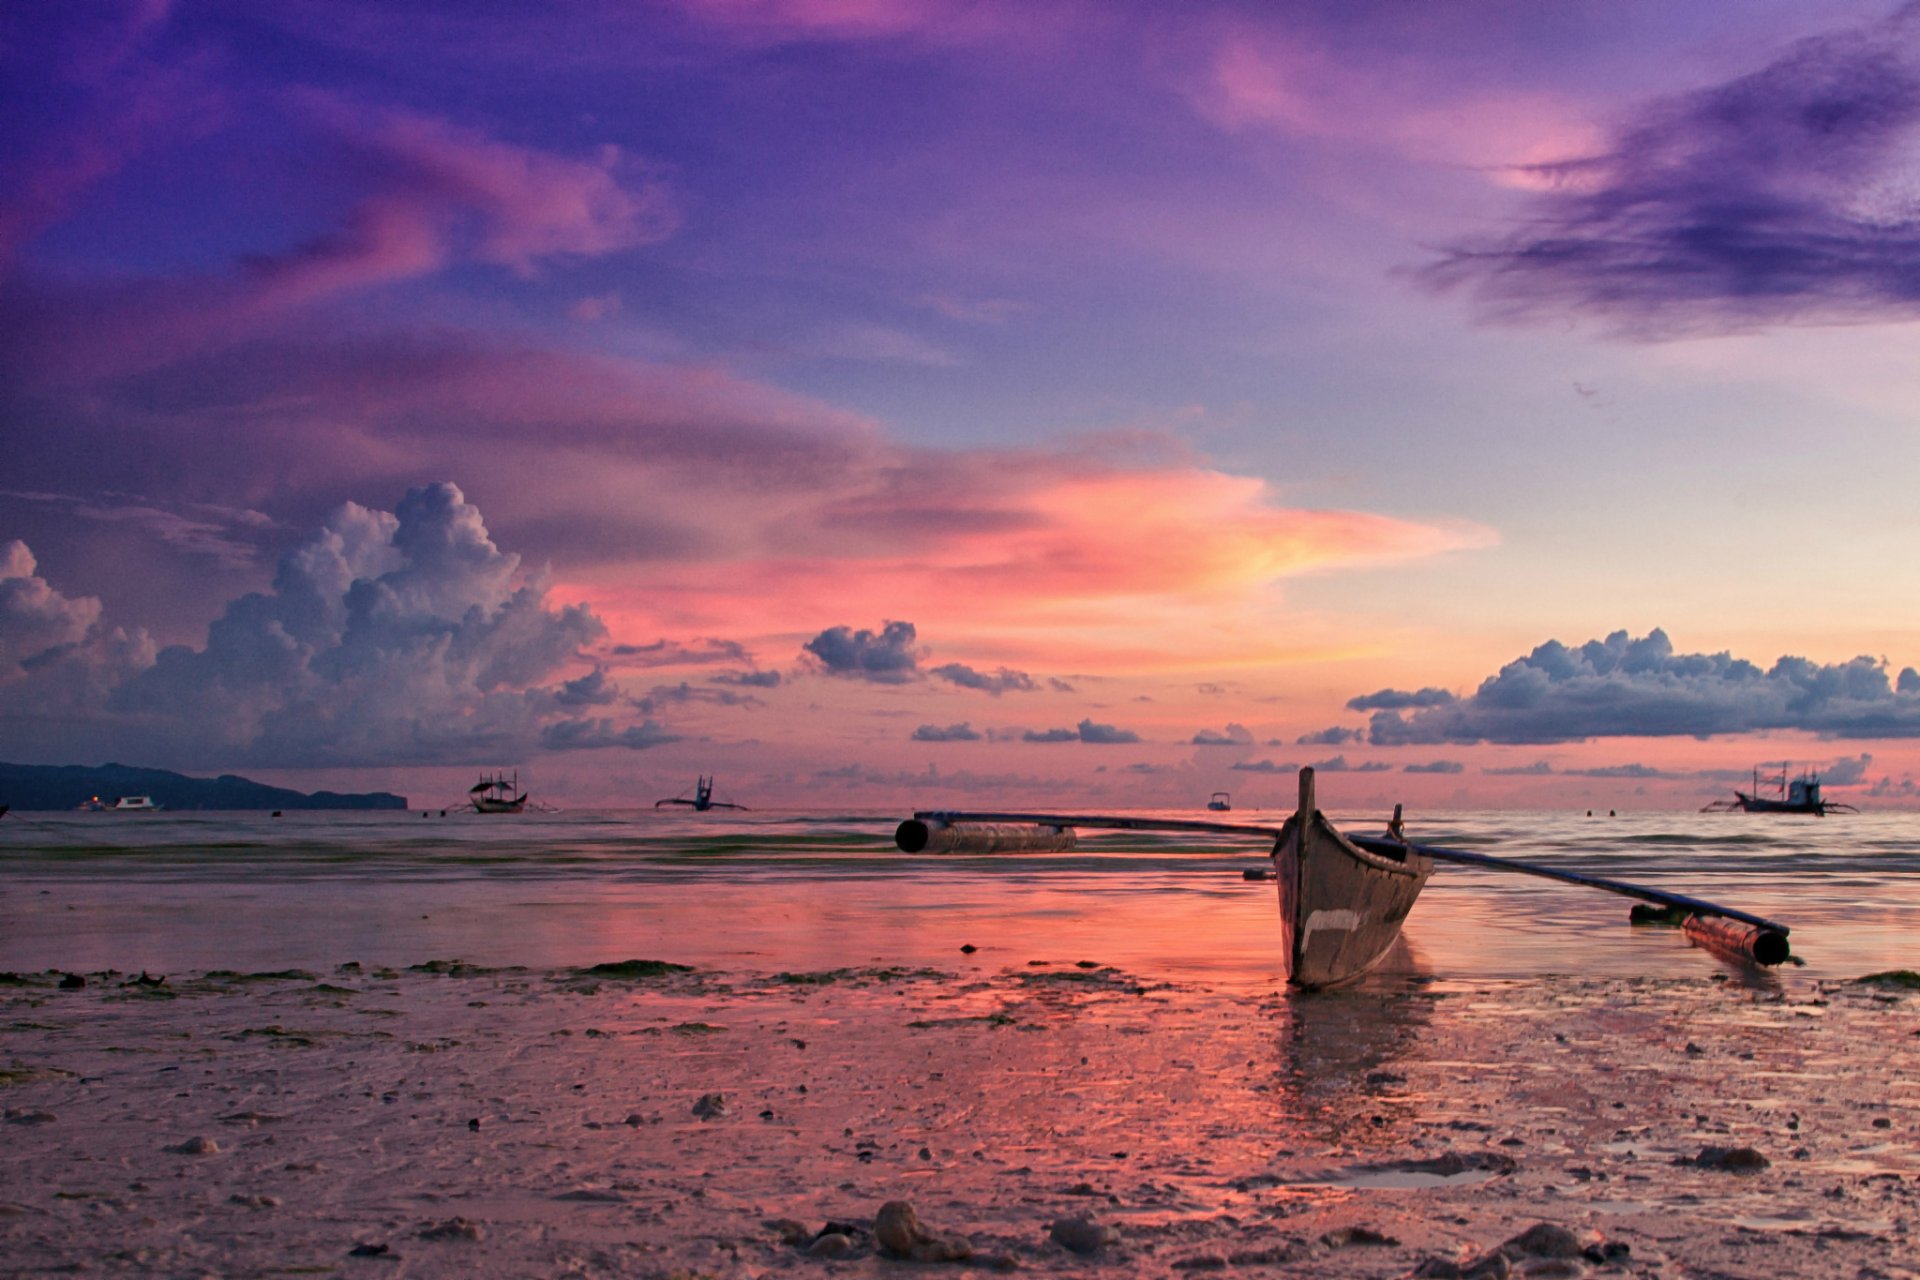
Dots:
pixel 188 891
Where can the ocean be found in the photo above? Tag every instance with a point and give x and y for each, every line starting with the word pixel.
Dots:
pixel 192 891
pixel 183 891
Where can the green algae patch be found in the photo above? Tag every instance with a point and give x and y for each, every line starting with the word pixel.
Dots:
pixel 633 970
pixel 826 977
pixel 20 1073
pixel 1103 978
pixel 1903 979
pixel 695 1029
pixel 979 1019
pixel 461 969
pixel 274 975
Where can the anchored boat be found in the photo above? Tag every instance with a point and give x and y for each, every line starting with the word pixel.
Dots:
pixel 702 797
pixel 1342 898
pixel 497 793
pixel 1802 795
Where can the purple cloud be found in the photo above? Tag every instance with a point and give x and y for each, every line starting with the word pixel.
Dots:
pixel 387 638
pixel 1330 737
pixel 951 733
pixel 889 657
pixel 1399 700
pixel 999 682
pixel 1087 731
pixel 1775 198
pixel 1627 687
pixel 1435 766
pixel 1235 735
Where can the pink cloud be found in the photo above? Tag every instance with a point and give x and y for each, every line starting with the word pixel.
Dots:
pixel 438 193
pixel 1254 78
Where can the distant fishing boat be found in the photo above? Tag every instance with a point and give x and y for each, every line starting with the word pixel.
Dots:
pixel 702 798
pixel 497 793
pixel 1801 795
pixel 1342 897
pixel 1221 802
pixel 121 804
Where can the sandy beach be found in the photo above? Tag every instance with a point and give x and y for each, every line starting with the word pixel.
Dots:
pixel 1055 1116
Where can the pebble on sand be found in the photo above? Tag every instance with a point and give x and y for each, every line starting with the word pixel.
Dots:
pixel 454 1229
pixel 901 1234
pixel 195 1147
pixel 711 1106
pixel 1728 1159
pixel 1082 1235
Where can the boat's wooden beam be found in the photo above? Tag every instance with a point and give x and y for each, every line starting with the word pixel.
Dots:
pixel 1696 906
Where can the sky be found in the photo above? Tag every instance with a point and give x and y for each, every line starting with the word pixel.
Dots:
pixel 934 403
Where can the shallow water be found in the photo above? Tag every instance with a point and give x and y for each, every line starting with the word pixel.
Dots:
pixel 182 891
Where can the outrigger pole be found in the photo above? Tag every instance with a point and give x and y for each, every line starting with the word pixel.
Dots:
pixel 1762 942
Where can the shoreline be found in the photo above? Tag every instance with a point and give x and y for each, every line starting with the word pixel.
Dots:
pixel 454 1119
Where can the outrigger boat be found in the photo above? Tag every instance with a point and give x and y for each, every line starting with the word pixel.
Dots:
pixel 702 797
pixel 1802 795
pixel 497 793
pixel 1342 897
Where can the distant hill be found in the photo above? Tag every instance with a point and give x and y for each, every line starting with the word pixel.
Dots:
pixel 68 786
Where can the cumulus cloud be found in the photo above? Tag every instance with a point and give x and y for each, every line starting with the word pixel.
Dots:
pixel 1329 737
pixel 1263 766
pixel 996 684
pixel 1399 700
pixel 403 637
pixel 1628 687
pixel 1781 196
pixel 1340 764
pixel 34 618
pixel 1234 735
pixel 666 695
pixel 1436 766
pixel 951 733
pixel 1848 770
pixel 889 657
pixel 749 679
pixel 679 653
pixel 1538 769
pixel 1087 731
pixel 600 733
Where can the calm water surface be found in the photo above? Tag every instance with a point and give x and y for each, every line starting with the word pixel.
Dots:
pixel 768 891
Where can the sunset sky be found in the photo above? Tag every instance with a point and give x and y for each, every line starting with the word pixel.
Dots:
pixel 933 402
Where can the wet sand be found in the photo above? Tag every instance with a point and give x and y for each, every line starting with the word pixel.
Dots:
pixel 1063 1117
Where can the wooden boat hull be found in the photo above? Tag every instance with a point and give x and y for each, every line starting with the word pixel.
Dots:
pixel 1341 906
pixel 483 805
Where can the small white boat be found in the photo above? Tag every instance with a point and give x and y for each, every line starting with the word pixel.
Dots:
pixel 123 804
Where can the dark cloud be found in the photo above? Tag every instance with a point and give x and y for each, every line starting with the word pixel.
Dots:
pixel 1340 764
pixel 1632 771
pixel 1235 735
pixel 1399 700
pixel 1087 731
pixel 1782 196
pixel 676 653
pixel 387 638
pixel 749 679
pixel 1437 766
pixel 1001 681
pixel 1331 737
pixel 887 658
pixel 952 733
pixel 666 695
pixel 1627 687
pixel 595 735
pixel 1847 771
pixel 1538 769
pixel 1263 766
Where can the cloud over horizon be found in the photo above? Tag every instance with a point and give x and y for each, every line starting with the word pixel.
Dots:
pixel 1627 687
pixel 388 638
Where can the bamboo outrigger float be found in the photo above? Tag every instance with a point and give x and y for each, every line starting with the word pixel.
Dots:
pixel 1342 897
